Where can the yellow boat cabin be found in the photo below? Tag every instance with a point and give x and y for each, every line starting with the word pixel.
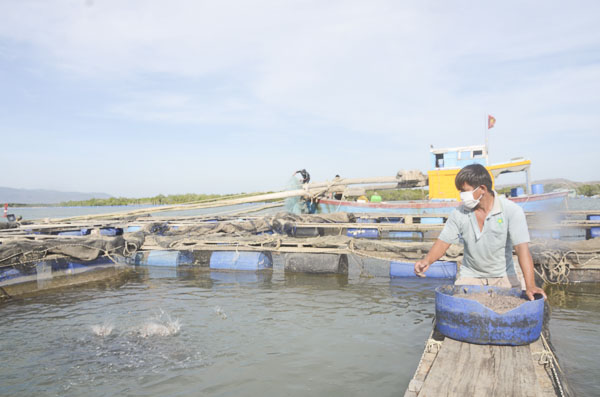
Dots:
pixel 446 163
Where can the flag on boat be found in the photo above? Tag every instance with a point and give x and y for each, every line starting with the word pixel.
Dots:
pixel 491 121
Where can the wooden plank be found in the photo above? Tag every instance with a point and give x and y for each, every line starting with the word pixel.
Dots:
pixel 379 226
pixel 213 247
pixel 376 215
pixel 465 369
pixel 427 360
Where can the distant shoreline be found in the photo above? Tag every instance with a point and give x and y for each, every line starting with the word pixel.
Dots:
pixel 172 199
pixel 582 189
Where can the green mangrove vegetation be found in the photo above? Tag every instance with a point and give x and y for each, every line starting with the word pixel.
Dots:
pixel 400 194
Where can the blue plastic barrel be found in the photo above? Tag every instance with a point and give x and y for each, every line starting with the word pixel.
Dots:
pixel 111 231
pixel 75 265
pixel 304 232
pixel 431 220
pixel 366 220
pixel 241 260
pixel 439 269
pixel 73 233
pixel 516 191
pixel 167 258
pixel 391 219
pixel 101 260
pixel 594 231
pixel 133 229
pixel 403 235
pixel 9 273
pixel 538 188
pixel 362 233
pixel 106 231
pixel 469 321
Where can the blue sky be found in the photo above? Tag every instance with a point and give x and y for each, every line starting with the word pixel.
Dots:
pixel 137 98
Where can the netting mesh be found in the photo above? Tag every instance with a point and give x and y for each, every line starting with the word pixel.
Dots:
pixel 279 232
pixel 295 205
pixel 26 252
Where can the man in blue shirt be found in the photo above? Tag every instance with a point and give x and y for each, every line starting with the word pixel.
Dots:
pixel 490 227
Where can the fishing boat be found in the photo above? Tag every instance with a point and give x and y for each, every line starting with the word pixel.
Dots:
pixel 443 195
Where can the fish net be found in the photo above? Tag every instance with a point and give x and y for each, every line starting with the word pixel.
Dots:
pixel 26 253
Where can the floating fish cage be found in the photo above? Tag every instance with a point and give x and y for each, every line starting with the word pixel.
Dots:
pixel 57 272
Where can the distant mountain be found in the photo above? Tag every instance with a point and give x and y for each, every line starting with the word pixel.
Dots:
pixel 41 196
pixel 565 182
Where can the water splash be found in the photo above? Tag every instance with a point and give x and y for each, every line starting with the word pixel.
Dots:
pixel 219 312
pixel 102 329
pixel 156 329
pixel 162 325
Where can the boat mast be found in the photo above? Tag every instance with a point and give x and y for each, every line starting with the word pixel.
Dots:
pixel 486 129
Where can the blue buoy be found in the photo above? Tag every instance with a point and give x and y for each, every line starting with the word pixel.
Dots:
pixel 406 235
pixel 538 188
pixel 469 321
pixel 363 233
pixel 304 232
pixel 594 231
pixel 516 192
pixel 9 273
pixel 111 231
pixel 165 258
pixel 316 263
pixel 393 219
pixel 81 232
pixel 431 220
pixel 439 269
pixel 241 260
pixel 366 220
pixel 106 231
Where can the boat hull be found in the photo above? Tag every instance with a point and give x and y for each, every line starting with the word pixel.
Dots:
pixel 529 203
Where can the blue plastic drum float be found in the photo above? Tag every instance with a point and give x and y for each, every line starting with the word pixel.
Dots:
pixel 464 319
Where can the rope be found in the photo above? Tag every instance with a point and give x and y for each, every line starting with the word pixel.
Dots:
pixel 5 295
pixel 428 347
pixel 548 359
pixel 554 269
pixel 555 265
pixel 431 343
pixel 545 357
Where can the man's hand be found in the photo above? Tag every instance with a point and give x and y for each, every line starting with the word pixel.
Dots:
pixel 526 263
pixel 532 291
pixel 420 268
pixel 438 249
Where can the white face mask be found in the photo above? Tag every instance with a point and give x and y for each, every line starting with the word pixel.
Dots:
pixel 468 199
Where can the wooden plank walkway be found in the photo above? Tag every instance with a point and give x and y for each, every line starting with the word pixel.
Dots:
pixel 452 368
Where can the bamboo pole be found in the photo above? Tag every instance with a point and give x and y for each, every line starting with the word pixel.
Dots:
pixel 310 190
pixel 184 207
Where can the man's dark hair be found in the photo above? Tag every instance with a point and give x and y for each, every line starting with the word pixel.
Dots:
pixel 473 175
